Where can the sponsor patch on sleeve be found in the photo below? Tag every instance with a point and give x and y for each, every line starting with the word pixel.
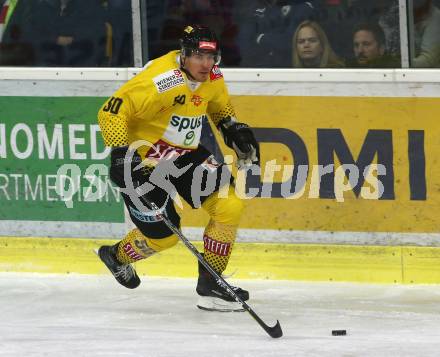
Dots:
pixel 216 73
pixel 168 80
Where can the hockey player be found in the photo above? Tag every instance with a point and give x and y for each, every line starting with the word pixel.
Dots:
pixel 164 105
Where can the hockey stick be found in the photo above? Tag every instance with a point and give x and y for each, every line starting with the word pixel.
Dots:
pixel 274 331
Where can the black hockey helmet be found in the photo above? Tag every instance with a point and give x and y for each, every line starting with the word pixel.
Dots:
pixel 199 38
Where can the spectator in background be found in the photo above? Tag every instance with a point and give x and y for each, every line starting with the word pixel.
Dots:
pixel 266 34
pixel 338 18
pixel 426 34
pixel 369 48
pixel 312 49
pixel 68 33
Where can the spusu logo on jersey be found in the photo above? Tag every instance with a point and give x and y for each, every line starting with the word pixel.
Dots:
pixel 167 80
pixel 184 131
pixel 183 123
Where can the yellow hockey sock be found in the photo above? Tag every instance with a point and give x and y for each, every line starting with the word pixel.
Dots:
pixel 135 246
pixel 220 233
pixel 218 241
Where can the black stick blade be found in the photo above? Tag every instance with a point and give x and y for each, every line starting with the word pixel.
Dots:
pixel 275 331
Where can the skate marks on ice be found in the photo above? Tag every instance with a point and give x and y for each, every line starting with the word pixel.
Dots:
pixel 81 315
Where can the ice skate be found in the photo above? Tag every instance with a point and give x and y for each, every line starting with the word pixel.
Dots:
pixel 214 297
pixel 124 273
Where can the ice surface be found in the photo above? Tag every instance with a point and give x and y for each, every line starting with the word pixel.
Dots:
pixel 81 315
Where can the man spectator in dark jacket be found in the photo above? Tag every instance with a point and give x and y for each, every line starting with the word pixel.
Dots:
pixel 369 48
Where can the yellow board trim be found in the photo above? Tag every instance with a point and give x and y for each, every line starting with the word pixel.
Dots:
pixel 307 262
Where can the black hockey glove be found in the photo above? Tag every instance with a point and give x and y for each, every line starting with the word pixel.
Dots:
pixel 119 163
pixel 240 138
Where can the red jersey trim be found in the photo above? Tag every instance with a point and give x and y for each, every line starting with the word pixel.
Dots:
pixel 216 73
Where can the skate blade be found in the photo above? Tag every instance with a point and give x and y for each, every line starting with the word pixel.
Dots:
pixel 210 303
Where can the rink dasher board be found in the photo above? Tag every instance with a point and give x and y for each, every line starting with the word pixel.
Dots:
pixel 323 83
pixel 17 81
pixel 101 82
pixel 301 262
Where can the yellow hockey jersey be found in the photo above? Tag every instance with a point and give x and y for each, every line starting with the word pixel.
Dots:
pixel 163 107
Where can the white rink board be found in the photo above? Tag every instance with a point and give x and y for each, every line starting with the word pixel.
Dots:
pixel 280 82
pixel 59 82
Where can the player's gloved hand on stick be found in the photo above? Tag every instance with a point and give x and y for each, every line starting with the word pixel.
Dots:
pixel 240 138
pixel 123 158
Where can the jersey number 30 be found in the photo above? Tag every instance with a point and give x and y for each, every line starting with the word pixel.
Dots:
pixel 113 105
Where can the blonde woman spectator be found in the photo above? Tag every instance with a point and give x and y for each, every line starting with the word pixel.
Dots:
pixel 311 48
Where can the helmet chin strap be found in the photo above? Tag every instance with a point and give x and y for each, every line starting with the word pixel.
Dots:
pixel 188 73
pixel 182 67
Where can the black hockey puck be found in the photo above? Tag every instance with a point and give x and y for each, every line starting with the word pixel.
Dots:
pixel 339 332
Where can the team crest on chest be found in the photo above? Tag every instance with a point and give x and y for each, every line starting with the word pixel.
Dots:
pixel 168 80
pixel 196 100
